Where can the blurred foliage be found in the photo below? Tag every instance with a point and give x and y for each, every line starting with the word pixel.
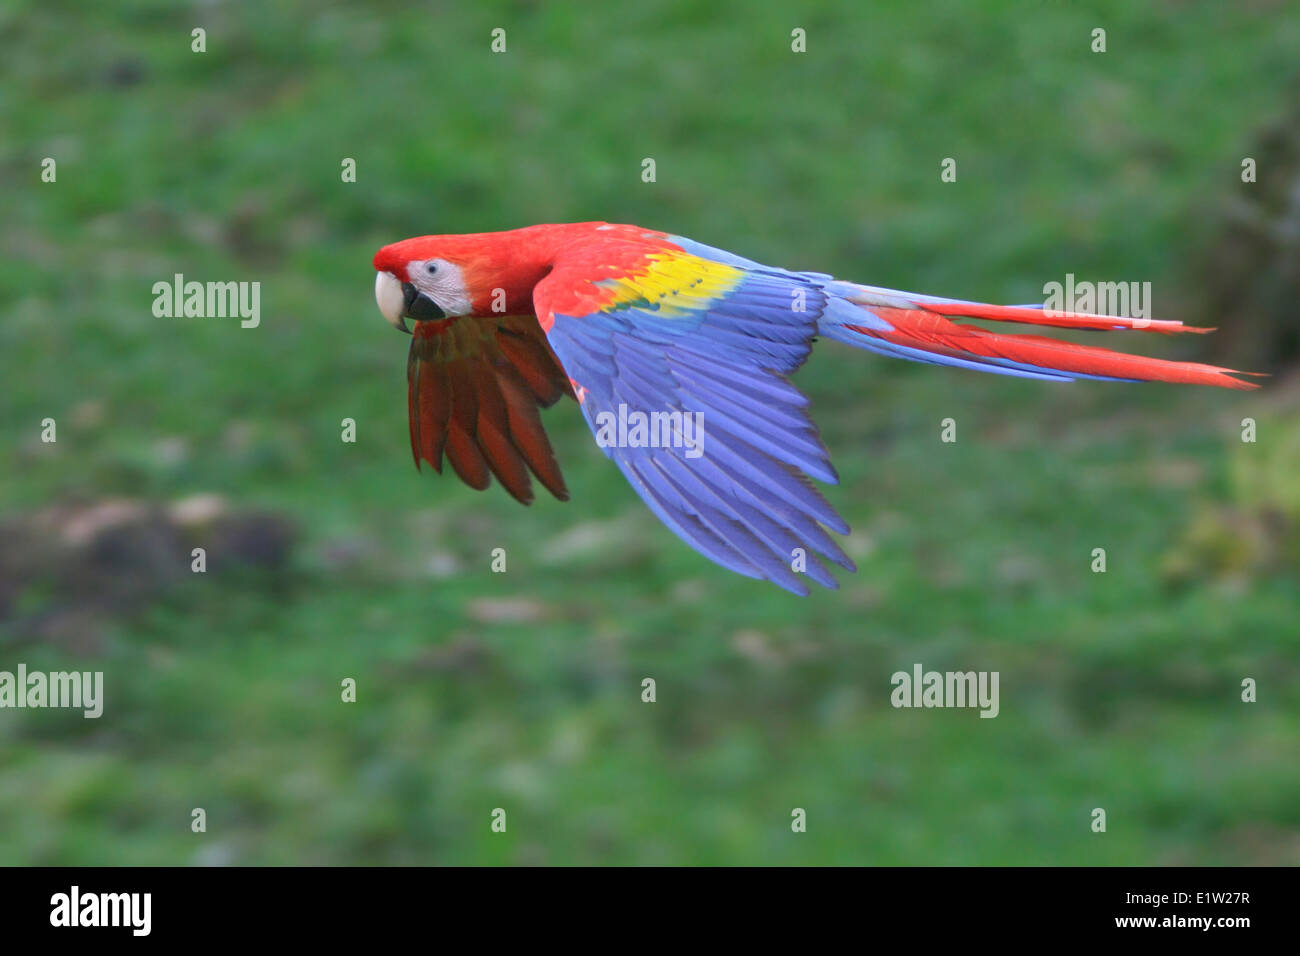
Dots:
pixel 1245 278
pixel 1257 528
pixel 522 690
pixel 1270 477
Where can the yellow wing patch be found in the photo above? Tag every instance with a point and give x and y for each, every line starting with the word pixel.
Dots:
pixel 673 284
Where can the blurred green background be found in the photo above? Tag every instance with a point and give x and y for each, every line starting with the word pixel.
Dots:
pixel 522 690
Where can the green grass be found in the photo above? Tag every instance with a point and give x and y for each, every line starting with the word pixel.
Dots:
pixel 1118 691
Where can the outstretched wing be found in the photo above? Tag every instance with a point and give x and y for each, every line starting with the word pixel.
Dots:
pixel 642 326
pixel 474 387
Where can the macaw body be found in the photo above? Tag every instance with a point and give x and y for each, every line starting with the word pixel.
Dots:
pixel 628 320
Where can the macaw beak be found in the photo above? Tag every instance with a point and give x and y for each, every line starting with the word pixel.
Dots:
pixel 399 301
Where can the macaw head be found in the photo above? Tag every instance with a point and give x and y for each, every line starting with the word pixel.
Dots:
pixel 422 279
pixel 438 277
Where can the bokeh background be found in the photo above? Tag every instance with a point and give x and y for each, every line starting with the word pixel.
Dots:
pixel 521 690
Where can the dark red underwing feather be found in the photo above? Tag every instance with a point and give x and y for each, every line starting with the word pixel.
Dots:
pixel 429 408
pixel 466 458
pixel 527 432
pixel 413 405
pixel 494 436
pixel 462 431
pixel 474 387
pixel 537 364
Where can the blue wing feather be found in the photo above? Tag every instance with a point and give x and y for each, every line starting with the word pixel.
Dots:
pixel 745 502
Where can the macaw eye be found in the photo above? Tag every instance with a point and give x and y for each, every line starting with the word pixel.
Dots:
pixel 431 268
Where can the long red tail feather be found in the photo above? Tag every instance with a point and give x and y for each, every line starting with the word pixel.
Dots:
pixel 928 329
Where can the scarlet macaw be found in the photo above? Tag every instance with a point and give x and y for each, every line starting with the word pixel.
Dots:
pixel 628 319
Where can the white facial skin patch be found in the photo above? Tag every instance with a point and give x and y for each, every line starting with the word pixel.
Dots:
pixel 442 282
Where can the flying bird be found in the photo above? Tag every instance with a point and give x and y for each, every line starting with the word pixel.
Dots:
pixel 654 334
